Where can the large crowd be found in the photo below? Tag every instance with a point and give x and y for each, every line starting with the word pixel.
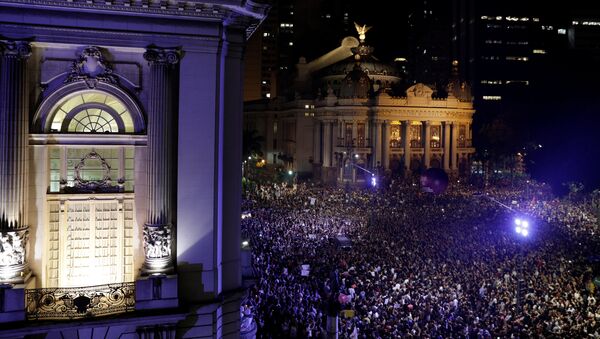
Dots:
pixel 420 265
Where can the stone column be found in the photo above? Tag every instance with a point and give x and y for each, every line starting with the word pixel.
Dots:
pixel 317 142
pixel 14 163
pixel 158 230
pixel 378 142
pixel 354 134
pixel 454 152
pixel 427 140
pixel 327 144
pixel 386 145
pixel 336 134
pixel 374 142
pixel 446 146
pixel 406 142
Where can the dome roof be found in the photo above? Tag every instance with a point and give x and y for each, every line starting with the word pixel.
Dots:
pixel 370 65
pixel 356 84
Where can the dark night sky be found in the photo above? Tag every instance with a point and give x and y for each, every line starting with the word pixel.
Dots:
pixel 563 114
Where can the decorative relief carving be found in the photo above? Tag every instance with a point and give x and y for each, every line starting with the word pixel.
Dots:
pixel 15 49
pixel 91 68
pixel 169 56
pixel 157 241
pixel 13 247
pixel 419 90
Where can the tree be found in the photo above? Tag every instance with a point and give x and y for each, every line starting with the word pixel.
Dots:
pixel 252 144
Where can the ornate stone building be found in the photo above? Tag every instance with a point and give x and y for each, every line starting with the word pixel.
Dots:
pixel 345 123
pixel 116 192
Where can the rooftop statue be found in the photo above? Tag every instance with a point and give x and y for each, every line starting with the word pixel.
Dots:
pixel 362 31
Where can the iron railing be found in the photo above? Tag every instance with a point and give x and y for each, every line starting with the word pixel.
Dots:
pixel 79 302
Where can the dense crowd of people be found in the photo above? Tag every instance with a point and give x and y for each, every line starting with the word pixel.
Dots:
pixel 420 265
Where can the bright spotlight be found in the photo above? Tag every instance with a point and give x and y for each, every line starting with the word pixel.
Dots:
pixel 245 243
pixel 518 222
pixel 518 229
pixel 373 181
pixel 525 223
pixel 290 172
pixel 525 232
pixel 357 156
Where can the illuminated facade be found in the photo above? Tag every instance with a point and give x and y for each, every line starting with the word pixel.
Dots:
pixel 352 121
pixel 116 194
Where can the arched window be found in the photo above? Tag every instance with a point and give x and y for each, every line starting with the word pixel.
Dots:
pixel 91 111
pixel 77 108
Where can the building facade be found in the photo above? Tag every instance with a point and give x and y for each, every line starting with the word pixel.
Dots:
pixel 118 173
pixel 354 126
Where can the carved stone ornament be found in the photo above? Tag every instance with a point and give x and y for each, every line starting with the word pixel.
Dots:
pixel 15 49
pixel 12 247
pixel 169 56
pixel 157 241
pixel 92 184
pixel 419 90
pixel 91 68
pixel 13 255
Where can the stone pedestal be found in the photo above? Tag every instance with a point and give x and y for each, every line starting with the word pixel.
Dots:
pixel 156 291
pixel 12 300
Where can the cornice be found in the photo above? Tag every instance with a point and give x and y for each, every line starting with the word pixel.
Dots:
pixel 247 14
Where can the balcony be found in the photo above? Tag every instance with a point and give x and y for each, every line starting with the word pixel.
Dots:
pixel 465 143
pixel 79 302
pixel 361 143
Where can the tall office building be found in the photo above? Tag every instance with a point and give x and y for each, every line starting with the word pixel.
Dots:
pixel 293 29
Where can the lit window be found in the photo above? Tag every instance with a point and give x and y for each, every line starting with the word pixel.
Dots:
pixel 518 82
pixel 491 82
pixel 562 31
pixel 539 51
pixel 92 112
pixel 492 97
pixel 517 58
pixel 536 19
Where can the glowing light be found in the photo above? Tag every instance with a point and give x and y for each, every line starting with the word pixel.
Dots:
pixel 525 232
pixel 373 181
pixel 518 229
pixel 525 223
pixel 290 172
pixel 245 243
pixel 518 222
pixel 357 156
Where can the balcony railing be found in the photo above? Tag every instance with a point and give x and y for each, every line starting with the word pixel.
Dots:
pixel 465 143
pixel 79 302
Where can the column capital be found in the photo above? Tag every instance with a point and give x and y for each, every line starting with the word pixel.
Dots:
pixel 17 49
pixel 157 55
